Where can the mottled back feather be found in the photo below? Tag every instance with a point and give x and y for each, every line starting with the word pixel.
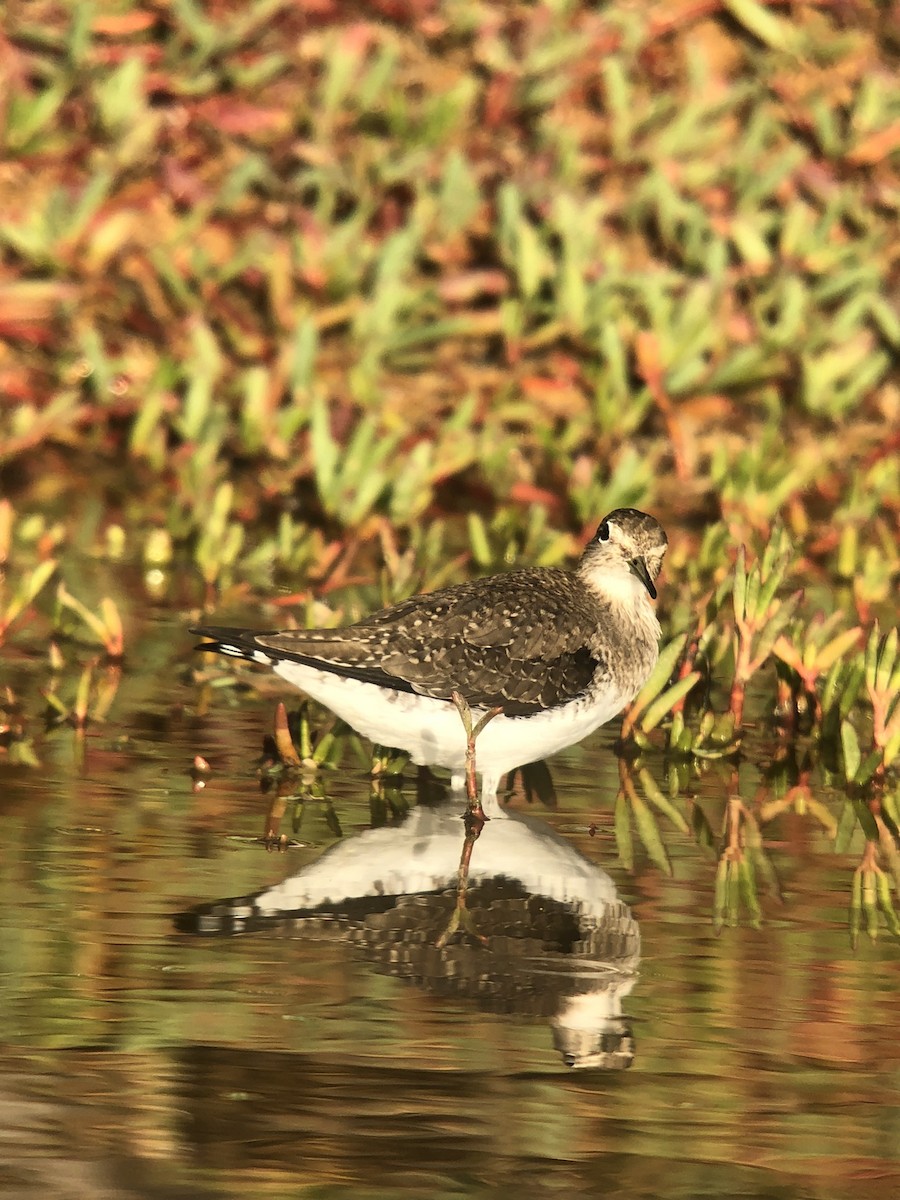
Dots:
pixel 487 639
pixel 525 641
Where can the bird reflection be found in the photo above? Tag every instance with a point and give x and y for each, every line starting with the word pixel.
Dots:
pixel 553 939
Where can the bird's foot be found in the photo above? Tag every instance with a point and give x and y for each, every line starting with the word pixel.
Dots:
pixel 461 921
pixel 474 819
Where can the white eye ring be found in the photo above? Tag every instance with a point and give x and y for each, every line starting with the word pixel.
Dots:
pixel 603 532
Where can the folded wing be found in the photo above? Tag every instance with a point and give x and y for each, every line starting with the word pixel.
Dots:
pixel 480 639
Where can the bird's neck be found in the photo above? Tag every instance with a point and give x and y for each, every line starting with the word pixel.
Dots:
pixel 629 618
pixel 623 594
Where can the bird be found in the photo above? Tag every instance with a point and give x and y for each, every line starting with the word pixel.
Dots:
pixel 565 946
pixel 558 652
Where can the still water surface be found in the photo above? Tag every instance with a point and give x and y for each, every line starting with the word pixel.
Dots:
pixel 185 1013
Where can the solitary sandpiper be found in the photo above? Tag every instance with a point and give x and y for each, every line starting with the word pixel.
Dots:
pixel 558 652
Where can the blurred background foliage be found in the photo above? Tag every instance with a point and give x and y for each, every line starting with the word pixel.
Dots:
pixel 394 261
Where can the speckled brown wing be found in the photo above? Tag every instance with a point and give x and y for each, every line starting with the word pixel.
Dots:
pixel 487 639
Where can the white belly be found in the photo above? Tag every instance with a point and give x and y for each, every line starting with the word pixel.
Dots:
pixel 431 731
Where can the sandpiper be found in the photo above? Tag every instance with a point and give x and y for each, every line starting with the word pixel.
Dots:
pixel 558 652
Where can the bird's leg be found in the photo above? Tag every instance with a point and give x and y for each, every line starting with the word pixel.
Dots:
pixel 473 802
pixel 474 820
pixel 461 917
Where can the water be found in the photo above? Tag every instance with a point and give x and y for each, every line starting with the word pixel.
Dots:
pixel 148 1051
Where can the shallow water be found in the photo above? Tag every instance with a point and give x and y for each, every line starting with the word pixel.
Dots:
pixel 152 1049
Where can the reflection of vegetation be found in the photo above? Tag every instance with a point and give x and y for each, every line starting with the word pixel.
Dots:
pixel 291 304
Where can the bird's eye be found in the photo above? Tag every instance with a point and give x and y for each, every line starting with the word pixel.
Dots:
pixel 603 532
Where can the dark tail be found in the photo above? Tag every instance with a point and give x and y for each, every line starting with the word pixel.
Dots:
pixel 236 643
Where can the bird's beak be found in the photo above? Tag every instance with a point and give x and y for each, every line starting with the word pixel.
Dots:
pixel 638 567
